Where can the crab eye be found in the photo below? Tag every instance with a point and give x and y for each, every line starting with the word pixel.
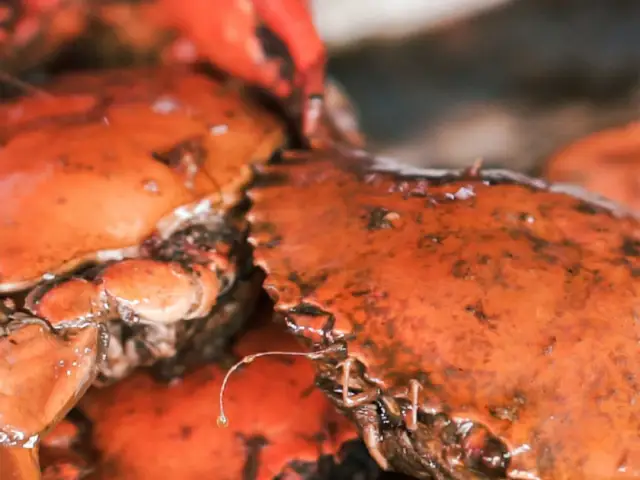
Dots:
pixel 486 454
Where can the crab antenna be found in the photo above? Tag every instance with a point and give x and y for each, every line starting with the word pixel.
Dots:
pixel 222 420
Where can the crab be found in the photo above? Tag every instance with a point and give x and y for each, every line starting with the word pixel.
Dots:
pixel 268 43
pixel 471 324
pixel 52 369
pixel 132 178
pixel 295 434
pixel 605 162
pixel 475 324
pixel 166 284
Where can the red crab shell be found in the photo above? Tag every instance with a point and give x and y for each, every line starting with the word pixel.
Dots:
pixel 140 428
pixel 488 322
pixel 606 162
pixel 133 172
pixel 43 373
pixel 268 43
pixel 82 157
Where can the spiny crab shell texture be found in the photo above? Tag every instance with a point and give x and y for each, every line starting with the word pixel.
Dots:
pixel 481 324
pixel 117 193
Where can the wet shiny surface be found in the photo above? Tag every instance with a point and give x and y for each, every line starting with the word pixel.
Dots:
pixel 42 374
pixel 606 162
pixel 513 306
pixel 156 139
pixel 144 429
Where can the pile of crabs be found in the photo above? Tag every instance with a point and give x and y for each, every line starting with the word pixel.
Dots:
pixel 460 324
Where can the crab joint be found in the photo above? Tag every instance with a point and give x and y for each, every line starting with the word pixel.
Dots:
pixel 222 420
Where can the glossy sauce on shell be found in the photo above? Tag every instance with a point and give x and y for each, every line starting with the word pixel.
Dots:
pixel 515 306
pixel 94 167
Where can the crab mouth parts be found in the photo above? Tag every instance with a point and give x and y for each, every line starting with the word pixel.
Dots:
pixel 403 435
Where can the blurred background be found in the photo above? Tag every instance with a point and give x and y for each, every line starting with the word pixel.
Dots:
pixel 443 82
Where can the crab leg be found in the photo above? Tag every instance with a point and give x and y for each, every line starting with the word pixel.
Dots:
pixel 151 292
pixel 360 399
pixel 368 418
pixel 137 290
pixel 411 420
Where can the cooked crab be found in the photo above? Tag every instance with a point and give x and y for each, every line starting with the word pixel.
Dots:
pixel 476 325
pixel 268 43
pixel 605 162
pixel 131 178
pixel 140 428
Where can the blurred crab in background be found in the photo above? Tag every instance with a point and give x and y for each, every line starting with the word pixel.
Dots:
pixel 449 314
pixel 267 43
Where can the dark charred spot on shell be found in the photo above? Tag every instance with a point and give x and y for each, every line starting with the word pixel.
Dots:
pixel 253 448
pixel 186 157
pixel 379 218
pixel 174 156
pixel 631 247
pixel 310 284
pixel 461 269
pixel 486 245
pixel 478 311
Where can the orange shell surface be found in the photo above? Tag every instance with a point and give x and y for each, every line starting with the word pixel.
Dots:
pixel 103 161
pixel 143 429
pixel 607 163
pixel 42 374
pixel 506 296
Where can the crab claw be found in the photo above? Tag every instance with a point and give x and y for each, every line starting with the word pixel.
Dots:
pixel 43 372
pixel 272 44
